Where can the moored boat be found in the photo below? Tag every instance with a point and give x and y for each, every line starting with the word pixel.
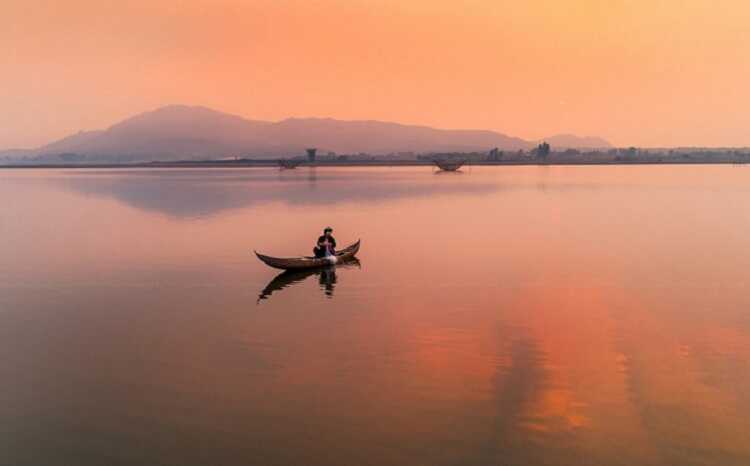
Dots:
pixel 449 165
pixel 289 163
pixel 308 262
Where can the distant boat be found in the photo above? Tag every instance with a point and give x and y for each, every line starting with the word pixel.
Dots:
pixel 307 262
pixel 449 165
pixel 289 164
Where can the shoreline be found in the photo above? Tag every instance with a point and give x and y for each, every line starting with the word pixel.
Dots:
pixel 373 163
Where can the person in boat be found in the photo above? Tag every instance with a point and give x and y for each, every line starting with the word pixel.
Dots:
pixel 326 244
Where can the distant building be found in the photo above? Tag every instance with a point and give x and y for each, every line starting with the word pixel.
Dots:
pixel 495 155
pixel 311 154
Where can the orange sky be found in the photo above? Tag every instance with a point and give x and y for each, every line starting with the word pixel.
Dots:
pixel 641 72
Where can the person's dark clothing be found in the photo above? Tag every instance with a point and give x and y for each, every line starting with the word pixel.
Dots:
pixel 320 251
pixel 330 239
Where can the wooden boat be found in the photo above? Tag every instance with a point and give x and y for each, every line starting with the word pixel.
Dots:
pixel 449 165
pixel 308 262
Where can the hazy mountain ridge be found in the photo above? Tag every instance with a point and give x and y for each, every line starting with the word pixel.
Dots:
pixel 577 142
pixel 179 132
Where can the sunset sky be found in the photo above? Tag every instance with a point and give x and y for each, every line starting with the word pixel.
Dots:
pixel 637 72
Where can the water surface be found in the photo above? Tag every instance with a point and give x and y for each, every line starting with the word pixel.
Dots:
pixel 503 315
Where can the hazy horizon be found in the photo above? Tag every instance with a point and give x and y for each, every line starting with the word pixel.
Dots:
pixel 217 112
pixel 173 105
pixel 650 74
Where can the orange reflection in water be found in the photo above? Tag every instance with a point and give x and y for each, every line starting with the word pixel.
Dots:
pixel 524 315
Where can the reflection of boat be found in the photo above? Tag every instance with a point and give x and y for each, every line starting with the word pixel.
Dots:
pixel 446 172
pixel 301 263
pixel 289 163
pixel 449 165
pixel 326 278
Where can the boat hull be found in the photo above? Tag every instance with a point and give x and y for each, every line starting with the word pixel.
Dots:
pixel 449 165
pixel 303 263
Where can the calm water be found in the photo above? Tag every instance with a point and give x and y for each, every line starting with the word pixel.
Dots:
pixel 508 315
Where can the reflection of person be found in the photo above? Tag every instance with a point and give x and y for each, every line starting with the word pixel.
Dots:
pixel 327 280
pixel 326 244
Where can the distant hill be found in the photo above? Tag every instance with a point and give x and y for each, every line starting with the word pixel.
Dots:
pixel 377 137
pixel 571 141
pixel 169 133
pixel 179 132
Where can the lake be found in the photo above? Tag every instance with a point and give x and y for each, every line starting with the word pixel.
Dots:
pixel 539 315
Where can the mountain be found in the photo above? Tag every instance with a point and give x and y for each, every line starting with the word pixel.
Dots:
pixel 377 137
pixel 570 141
pixel 169 133
pixel 179 132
